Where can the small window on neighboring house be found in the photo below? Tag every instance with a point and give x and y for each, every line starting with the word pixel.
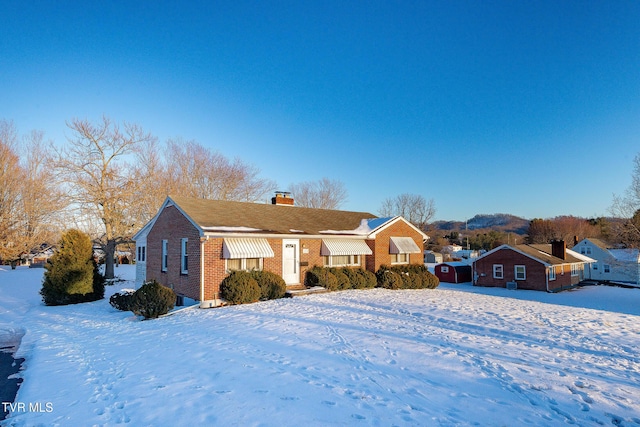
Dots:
pixel 588 250
pixel 165 254
pixel 552 273
pixel 498 272
pixel 184 256
pixel 607 268
pixel 444 268
pixel 520 272
pixel 399 258
pixel 595 266
pixel 142 253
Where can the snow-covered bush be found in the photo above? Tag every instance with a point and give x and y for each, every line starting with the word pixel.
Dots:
pixel 152 300
pixel 71 274
pixel 271 285
pixel 240 288
pixel 122 299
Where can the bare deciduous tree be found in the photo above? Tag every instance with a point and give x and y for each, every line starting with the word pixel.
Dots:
pixel 199 172
pixel 100 182
pixel 412 207
pixel 627 207
pixel 29 199
pixel 322 194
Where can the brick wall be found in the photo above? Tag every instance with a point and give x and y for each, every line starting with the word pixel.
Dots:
pixel 380 246
pixel 171 225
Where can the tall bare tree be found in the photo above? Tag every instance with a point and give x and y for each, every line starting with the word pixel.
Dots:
pixel 627 208
pixel 29 198
pixel 199 172
pixel 99 180
pixel 322 194
pixel 412 207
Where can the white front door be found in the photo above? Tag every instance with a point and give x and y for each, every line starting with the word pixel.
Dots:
pixel 290 261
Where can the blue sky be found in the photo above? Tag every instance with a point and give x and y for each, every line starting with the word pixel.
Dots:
pixel 523 107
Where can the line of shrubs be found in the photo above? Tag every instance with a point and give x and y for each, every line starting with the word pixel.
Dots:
pixel 413 276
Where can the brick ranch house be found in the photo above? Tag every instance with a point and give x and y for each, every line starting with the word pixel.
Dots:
pixel 545 267
pixel 191 245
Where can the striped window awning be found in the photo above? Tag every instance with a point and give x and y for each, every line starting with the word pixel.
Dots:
pixel 233 248
pixel 403 245
pixel 336 247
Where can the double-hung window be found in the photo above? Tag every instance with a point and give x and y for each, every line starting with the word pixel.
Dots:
pixel 184 256
pixel 498 271
pixel 165 255
pixel 142 253
pixel 552 273
pixel 520 272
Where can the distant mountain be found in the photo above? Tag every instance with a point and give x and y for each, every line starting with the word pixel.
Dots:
pixel 503 222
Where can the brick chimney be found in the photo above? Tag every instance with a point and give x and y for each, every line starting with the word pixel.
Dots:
pixel 559 249
pixel 282 198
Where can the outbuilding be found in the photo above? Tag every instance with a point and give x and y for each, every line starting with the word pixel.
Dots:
pixel 453 272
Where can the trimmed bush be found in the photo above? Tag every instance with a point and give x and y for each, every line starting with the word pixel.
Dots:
pixel 122 300
pixel 356 280
pixel 369 278
pixel 71 274
pixel 411 276
pixel 152 300
pixel 271 285
pixel 344 281
pixel 389 279
pixel 240 287
pixel 318 276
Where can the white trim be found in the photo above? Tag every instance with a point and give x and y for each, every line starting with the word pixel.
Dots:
pixel 501 268
pixel 392 221
pixel 524 272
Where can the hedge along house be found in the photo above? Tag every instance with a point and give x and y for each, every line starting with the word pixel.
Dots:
pixel 191 245
pixel 545 267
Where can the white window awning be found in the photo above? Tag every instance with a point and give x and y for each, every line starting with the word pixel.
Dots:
pixel 336 247
pixel 403 245
pixel 233 248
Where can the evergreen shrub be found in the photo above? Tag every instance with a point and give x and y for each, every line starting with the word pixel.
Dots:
pixel 240 287
pixel 271 285
pixel 356 280
pixel 409 276
pixel 71 274
pixel 152 300
pixel 344 281
pixel 122 300
pixel 369 278
pixel 319 276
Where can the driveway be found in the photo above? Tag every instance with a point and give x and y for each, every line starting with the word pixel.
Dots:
pixel 9 342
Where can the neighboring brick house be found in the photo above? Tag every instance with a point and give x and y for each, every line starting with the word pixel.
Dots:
pixel 191 245
pixel 547 267
pixel 612 265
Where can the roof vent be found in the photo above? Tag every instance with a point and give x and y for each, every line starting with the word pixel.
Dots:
pixel 282 198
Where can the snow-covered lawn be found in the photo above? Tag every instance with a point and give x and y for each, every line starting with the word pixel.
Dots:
pixel 453 356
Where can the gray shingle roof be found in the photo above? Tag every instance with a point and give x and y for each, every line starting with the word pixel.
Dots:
pixel 543 253
pixel 277 219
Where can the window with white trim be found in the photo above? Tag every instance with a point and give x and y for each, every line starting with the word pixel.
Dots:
pixel 399 258
pixel 244 264
pixel 575 268
pixel 444 268
pixel 341 260
pixel 552 273
pixel 184 256
pixel 165 254
pixel 520 272
pixel 498 271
